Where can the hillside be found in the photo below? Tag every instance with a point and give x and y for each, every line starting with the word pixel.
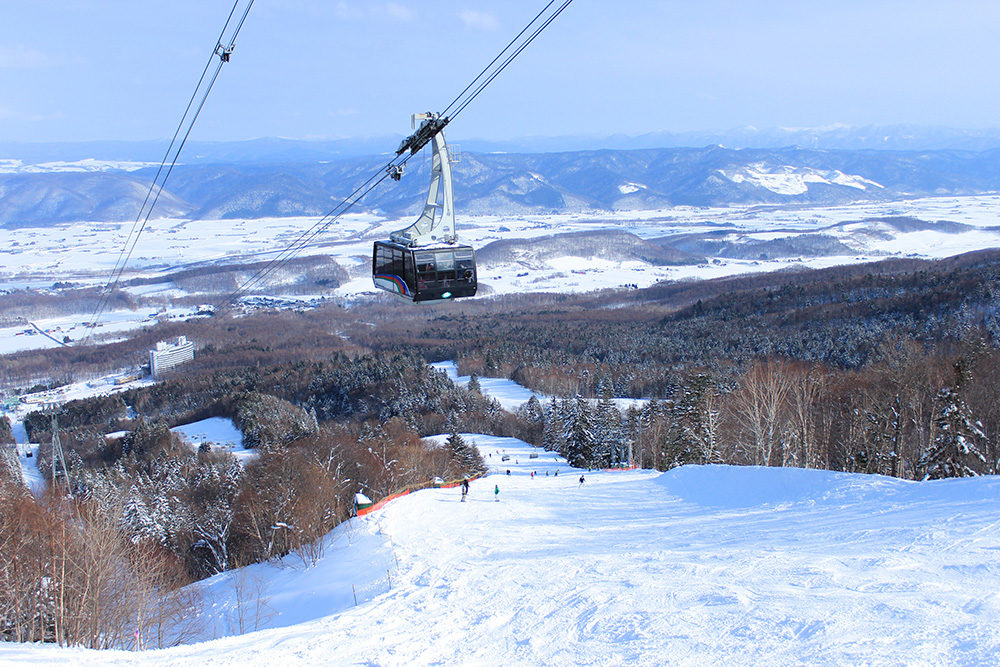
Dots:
pixel 495 183
pixel 700 565
pixel 610 244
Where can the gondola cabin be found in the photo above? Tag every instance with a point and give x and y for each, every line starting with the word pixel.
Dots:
pixel 424 273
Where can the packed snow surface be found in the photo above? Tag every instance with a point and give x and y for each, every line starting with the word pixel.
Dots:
pixel 220 433
pixel 27 458
pixel 700 565
pixel 507 393
pixel 510 395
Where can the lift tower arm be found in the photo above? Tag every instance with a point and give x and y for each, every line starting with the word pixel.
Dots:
pixel 437 222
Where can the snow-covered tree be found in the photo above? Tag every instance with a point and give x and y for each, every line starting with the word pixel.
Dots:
pixel 137 521
pixel 552 430
pixel 578 433
pixel 533 410
pixel 692 435
pixel 466 459
pixel 955 451
pixel 611 444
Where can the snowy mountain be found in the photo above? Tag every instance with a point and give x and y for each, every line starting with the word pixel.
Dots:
pixel 699 565
pixel 496 184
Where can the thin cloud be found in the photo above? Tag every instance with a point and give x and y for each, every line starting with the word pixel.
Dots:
pixel 351 11
pixel 11 115
pixel 398 12
pixel 478 20
pixel 27 58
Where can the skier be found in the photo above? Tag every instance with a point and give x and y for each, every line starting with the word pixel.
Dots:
pixel 557 473
pixel 496 492
pixel 581 480
pixel 508 472
pixel 465 488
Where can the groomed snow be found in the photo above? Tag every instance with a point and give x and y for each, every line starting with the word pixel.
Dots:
pixel 701 565
pixel 510 395
pixel 219 432
pixel 27 457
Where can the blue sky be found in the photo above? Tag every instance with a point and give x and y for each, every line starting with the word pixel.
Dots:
pixel 75 70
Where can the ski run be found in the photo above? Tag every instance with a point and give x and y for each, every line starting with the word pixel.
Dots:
pixel 696 566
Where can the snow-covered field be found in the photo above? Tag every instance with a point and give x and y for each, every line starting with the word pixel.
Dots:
pixel 701 565
pixel 30 336
pixel 83 253
pixel 86 251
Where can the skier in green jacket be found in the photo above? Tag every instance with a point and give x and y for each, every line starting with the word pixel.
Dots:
pixel 496 492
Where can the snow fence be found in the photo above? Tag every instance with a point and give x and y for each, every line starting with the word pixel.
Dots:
pixel 362 511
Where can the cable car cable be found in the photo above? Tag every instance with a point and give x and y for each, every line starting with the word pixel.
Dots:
pixel 324 223
pixel 510 58
pixel 223 53
pixel 498 56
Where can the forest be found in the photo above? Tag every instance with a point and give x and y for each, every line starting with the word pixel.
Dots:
pixel 885 368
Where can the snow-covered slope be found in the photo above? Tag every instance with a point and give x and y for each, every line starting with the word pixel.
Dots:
pixel 219 433
pixel 701 565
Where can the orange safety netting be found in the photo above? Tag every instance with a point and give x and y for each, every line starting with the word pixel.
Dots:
pixel 410 489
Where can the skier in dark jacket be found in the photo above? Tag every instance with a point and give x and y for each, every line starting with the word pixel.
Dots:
pixel 581 480
pixel 465 488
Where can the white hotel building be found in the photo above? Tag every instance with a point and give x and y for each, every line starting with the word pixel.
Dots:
pixel 167 355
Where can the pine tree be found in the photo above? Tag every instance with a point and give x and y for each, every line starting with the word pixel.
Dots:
pixel 552 428
pixel 465 458
pixel 692 434
pixel 579 435
pixel 474 384
pixel 533 410
pixel 955 451
pixel 136 520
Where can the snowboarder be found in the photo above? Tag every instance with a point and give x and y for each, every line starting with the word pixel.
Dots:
pixel 581 480
pixel 496 492
pixel 508 472
pixel 465 488
pixel 557 473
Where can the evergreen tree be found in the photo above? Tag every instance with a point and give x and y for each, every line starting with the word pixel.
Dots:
pixel 533 410
pixel 465 457
pixel 474 384
pixel 552 430
pixel 137 521
pixel 691 437
pixel 579 435
pixel 955 451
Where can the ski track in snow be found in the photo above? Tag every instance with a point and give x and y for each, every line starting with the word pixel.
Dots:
pixel 701 565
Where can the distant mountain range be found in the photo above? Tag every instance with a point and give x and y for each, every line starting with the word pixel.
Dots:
pixel 272 150
pixel 493 183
